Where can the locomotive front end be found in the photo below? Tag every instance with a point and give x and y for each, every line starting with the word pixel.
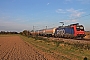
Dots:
pixel 80 31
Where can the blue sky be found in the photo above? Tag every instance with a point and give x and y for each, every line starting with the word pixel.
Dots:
pixel 18 15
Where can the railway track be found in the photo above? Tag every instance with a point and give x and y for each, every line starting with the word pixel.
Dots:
pixel 85 41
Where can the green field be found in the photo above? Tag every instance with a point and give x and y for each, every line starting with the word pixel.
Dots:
pixel 60 50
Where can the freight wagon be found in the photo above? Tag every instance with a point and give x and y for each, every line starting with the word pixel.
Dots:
pixel 46 32
pixel 49 32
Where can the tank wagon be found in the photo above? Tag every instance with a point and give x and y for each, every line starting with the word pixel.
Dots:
pixel 70 31
pixel 46 32
pixel 49 32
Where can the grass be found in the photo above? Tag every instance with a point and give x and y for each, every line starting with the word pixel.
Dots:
pixel 60 50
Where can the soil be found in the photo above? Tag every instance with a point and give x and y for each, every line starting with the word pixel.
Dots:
pixel 87 35
pixel 14 48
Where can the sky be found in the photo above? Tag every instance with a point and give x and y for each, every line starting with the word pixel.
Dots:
pixel 19 15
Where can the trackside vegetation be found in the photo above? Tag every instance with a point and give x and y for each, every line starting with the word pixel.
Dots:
pixel 60 49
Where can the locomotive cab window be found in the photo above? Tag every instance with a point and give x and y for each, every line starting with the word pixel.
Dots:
pixel 80 28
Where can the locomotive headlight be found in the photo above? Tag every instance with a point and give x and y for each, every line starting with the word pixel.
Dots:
pixel 77 33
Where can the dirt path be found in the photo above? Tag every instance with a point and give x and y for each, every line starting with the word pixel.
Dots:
pixel 14 48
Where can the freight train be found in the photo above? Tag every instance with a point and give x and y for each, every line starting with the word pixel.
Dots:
pixel 70 31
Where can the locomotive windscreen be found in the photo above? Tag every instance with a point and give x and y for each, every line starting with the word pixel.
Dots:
pixel 80 28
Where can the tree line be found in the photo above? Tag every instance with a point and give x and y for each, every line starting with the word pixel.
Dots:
pixel 24 32
pixel 7 32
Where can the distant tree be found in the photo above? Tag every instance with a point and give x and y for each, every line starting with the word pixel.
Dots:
pixel 21 33
pixel 2 32
pixel 26 33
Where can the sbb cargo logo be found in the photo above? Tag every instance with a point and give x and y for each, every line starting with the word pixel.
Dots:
pixel 62 31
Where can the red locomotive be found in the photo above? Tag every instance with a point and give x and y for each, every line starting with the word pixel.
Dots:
pixel 78 30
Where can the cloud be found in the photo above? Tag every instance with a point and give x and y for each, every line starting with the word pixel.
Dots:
pixel 60 11
pixel 75 13
pixel 70 21
pixel 72 12
pixel 48 3
pixel 84 1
